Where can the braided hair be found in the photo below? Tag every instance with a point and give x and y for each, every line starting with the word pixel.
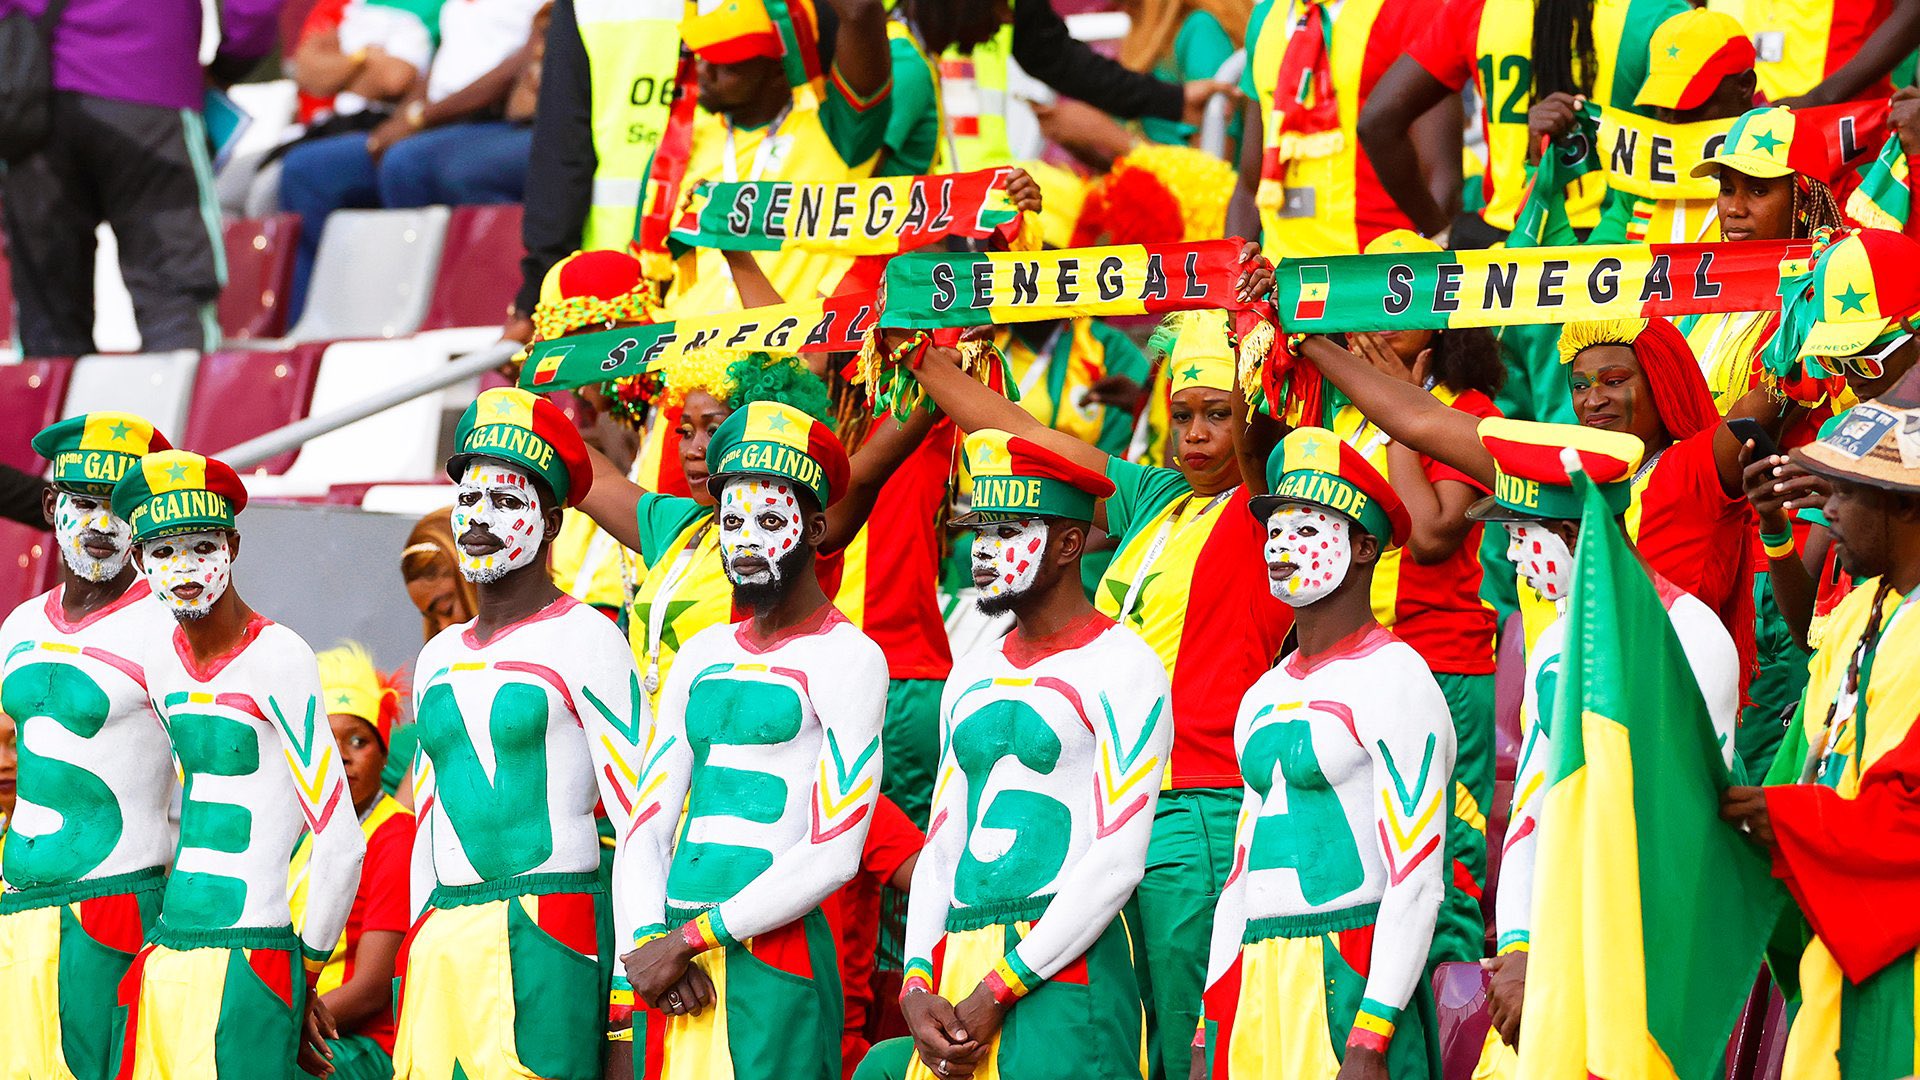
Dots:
pixel 1814 207
pixel 1869 640
pixel 1564 60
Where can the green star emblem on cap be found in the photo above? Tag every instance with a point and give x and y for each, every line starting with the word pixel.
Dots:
pixel 988 454
pixel 1852 300
pixel 502 406
pixel 177 473
pixel 777 421
pixel 1310 444
pixel 1766 142
pixel 1192 372
pixel 1673 50
pixel 343 698
pixel 120 429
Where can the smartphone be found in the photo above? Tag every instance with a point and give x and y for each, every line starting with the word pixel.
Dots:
pixel 1749 431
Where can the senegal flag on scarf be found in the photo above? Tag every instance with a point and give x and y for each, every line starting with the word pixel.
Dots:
pixel 1649 912
pixel 1884 199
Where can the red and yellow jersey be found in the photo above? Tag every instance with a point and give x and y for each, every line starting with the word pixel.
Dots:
pixel 1692 532
pixel 1191 578
pixel 889 573
pixel 681 588
pixel 1801 42
pixel 1435 607
pixel 1490 43
pixel 1333 205
pixel 381 903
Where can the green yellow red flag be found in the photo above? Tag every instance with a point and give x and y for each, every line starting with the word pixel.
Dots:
pixel 1650 913
pixel 856 217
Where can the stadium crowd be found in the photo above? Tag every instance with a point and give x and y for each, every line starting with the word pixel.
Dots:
pixel 1079 655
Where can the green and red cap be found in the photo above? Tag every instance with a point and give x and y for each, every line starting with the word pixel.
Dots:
pixel 527 431
pixel 1016 478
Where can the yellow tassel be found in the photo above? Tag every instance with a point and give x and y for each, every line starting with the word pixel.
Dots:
pixel 1253 357
pixel 1028 237
pixel 977 358
pixel 1295 147
pixel 656 265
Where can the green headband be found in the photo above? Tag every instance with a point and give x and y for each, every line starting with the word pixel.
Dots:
pixel 1336 494
pixel 1009 498
pixel 1556 502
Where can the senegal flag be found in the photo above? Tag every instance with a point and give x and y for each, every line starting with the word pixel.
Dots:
pixel 1649 912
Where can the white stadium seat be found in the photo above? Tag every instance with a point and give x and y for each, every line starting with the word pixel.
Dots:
pixel 373 276
pixel 155 385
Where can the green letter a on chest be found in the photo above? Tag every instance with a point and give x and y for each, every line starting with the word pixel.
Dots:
pixel 1311 835
pixel 502 820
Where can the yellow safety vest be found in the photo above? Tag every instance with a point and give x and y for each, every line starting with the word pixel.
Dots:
pixel 973 87
pixel 633 53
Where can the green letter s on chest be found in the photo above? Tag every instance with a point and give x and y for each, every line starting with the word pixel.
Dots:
pixel 90 816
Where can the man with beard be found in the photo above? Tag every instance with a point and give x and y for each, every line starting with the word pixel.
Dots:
pixel 223 985
pixel 769 735
pixel 1839 815
pixel 1319 953
pixel 90 841
pixel 1054 742
pixel 528 714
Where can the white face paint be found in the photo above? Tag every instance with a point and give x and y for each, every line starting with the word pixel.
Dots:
pixel 760 519
pixel 1006 557
pixel 198 564
pixel 501 500
pixel 1308 553
pixel 1542 557
pixel 82 519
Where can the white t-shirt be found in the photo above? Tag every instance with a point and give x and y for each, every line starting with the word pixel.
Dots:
pixel 475 35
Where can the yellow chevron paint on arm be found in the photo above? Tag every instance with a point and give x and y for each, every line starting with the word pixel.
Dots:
pixel 830 806
pixel 312 788
pixel 613 752
pixel 1115 790
pixel 1404 839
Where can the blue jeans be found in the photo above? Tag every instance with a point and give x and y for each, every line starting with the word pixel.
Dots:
pixel 458 165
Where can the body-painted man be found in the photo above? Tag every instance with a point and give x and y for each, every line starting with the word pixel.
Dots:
pixel 527 716
pixel 226 980
pixel 1320 940
pixel 90 839
pixel 1534 498
pixel 1054 741
pixel 768 734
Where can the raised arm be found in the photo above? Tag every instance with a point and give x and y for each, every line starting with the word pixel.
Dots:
pixel 1889 43
pixel 1407 413
pixel 867 472
pixel 1402 96
pixel 614 501
pixel 1755 405
pixel 860 51
pixel 1047 51
pixel 313 759
pixel 975 406
pixel 1414 746
pixel 1243 209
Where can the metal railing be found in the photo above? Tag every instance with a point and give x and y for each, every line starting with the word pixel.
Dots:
pixel 258 449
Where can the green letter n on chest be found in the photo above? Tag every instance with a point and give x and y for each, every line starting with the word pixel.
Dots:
pixel 725 711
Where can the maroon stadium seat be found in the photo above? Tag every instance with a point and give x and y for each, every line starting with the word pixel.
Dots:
pixel 27 561
pixel 1460 1007
pixel 34 391
pixel 239 394
pixel 260 255
pixel 6 295
pixel 479 268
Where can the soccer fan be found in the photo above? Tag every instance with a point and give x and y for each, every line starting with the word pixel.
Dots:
pixel 1534 498
pixel 1699 71
pixel 1838 813
pixel 754 125
pixel 1053 744
pixel 1824 52
pixel 430 566
pixel 1186 568
pixel 1515 52
pixel 225 980
pixel 768 734
pixel 1306 187
pixel 357 983
pixel 1427 590
pixel 527 716
pixel 1319 956
pixel 90 840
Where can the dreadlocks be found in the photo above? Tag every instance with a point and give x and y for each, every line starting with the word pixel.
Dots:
pixel 1814 207
pixel 1563 54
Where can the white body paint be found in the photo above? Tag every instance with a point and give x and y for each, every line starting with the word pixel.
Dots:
pixel 759 517
pixel 172 561
pixel 520 528
pixel 74 519
pixel 1319 546
pixel 1015 559
pixel 1542 557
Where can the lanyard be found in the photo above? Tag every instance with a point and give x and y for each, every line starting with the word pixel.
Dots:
pixel 762 154
pixel 1859 688
pixel 1160 544
pixel 658 607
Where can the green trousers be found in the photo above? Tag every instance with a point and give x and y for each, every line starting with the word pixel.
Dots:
pixel 1776 688
pixel 1460 933
pixel 910 736
pixel 356 1057
pixel 1188 859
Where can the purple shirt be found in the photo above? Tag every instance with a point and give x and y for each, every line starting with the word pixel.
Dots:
pixel 148 51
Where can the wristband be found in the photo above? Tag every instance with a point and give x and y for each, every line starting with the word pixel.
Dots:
pixel 918 978
pixel 1783 536
pixel 1004 984
pixel 700 934
pixel 1778 549
pixel 1370 1031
